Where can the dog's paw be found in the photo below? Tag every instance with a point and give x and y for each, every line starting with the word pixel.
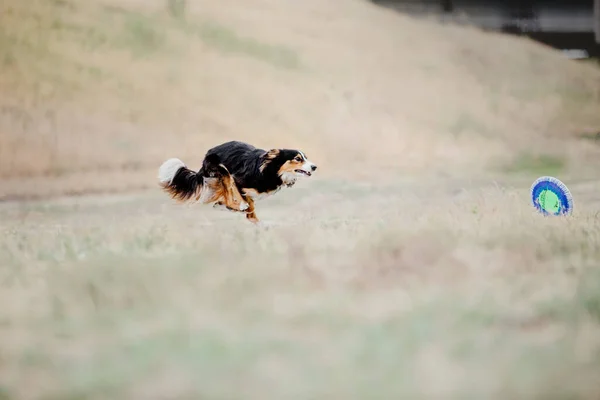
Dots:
pixel 220 206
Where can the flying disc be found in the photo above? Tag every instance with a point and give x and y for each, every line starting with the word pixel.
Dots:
pixel 551 197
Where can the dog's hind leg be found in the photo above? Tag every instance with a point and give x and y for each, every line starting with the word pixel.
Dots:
pixel 232 198
pixel 222 191
pixel 220 205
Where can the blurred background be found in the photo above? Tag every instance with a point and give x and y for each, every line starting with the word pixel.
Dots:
pixel 571 26
pixel 411 265
pixel 97 94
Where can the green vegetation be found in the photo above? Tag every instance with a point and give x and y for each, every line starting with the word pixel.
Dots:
pixel 544 164
pixel 227 40
pixel 594 137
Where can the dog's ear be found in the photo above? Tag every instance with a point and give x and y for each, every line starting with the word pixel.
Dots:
pixel 268 157
pixel 223 171
pixel 271 154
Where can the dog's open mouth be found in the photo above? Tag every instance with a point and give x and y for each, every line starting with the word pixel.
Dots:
pixel 301 171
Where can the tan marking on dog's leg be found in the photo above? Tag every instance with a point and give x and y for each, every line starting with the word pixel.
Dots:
pixel 233 199
pixel 212 190
pixel 250 212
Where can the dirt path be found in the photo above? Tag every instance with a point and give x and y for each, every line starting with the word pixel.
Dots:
pixel 327 200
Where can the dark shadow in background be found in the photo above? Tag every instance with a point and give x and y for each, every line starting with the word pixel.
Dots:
pixel 563 24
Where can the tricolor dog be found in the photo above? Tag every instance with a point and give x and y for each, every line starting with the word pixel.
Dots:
pixel 235 175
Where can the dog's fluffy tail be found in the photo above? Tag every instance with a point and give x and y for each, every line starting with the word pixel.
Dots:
pixel 180 182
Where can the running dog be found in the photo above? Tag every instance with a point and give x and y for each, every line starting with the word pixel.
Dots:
pixel 235 175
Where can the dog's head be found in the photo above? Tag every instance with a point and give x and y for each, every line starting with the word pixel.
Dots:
pixel 288 164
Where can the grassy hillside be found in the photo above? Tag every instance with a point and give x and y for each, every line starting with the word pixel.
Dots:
pixel 365 280
pixel 103 88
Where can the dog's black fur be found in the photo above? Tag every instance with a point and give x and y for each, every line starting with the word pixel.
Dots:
pixel 254 172
pixel 186 183
pixel 244 162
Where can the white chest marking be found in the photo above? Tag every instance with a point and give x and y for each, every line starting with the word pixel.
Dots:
pixel 289 178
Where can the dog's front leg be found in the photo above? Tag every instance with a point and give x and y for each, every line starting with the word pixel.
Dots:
pixel 251 216
pixel 250 212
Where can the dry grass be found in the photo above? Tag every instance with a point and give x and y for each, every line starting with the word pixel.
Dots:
pixel 376 286
pixel 97 88
pixel 354 292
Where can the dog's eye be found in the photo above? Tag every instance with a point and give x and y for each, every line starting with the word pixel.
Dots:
pixel 298 158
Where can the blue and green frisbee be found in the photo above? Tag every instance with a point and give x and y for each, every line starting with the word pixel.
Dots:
pixel 551 197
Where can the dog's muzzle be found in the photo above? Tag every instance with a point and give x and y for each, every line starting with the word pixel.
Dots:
pixel 307 169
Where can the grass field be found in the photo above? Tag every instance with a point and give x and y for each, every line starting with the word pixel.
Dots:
pixel 349 291
pixel 411 266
